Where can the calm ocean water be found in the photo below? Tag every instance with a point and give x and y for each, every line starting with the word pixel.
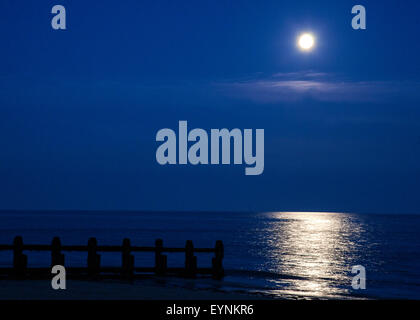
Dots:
pixel 296 255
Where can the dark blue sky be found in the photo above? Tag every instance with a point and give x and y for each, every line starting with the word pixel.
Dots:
pixel 80 108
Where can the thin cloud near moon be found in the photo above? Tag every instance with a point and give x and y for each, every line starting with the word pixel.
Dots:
pixel 289 87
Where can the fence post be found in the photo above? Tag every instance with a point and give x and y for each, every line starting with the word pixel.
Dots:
pixel 127 259
pixel 190 260
pixel 160 259
pixel 94 259
pixel 57 258
pixel 217 261
pixel 20 260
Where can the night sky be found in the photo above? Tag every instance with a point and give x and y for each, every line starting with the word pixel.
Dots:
pixel 80 108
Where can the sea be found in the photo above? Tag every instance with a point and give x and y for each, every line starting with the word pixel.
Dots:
pixel 292 255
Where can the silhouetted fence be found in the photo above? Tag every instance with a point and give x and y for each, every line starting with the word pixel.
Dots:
pixel 128 269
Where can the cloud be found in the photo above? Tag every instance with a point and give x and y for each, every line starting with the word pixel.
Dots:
pixel 297 86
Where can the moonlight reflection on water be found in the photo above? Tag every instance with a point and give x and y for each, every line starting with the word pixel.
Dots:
pixel 317 251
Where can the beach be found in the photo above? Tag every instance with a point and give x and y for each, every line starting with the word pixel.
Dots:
pixel 107 290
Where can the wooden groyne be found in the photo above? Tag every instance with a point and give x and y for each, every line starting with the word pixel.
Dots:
pixel 126 250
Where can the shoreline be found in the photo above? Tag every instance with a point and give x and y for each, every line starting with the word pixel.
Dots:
pixel 110 290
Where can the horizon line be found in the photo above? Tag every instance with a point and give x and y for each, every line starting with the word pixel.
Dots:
pixel 194 211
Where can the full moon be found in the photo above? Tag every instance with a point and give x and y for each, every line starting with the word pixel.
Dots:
pixel 306 41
